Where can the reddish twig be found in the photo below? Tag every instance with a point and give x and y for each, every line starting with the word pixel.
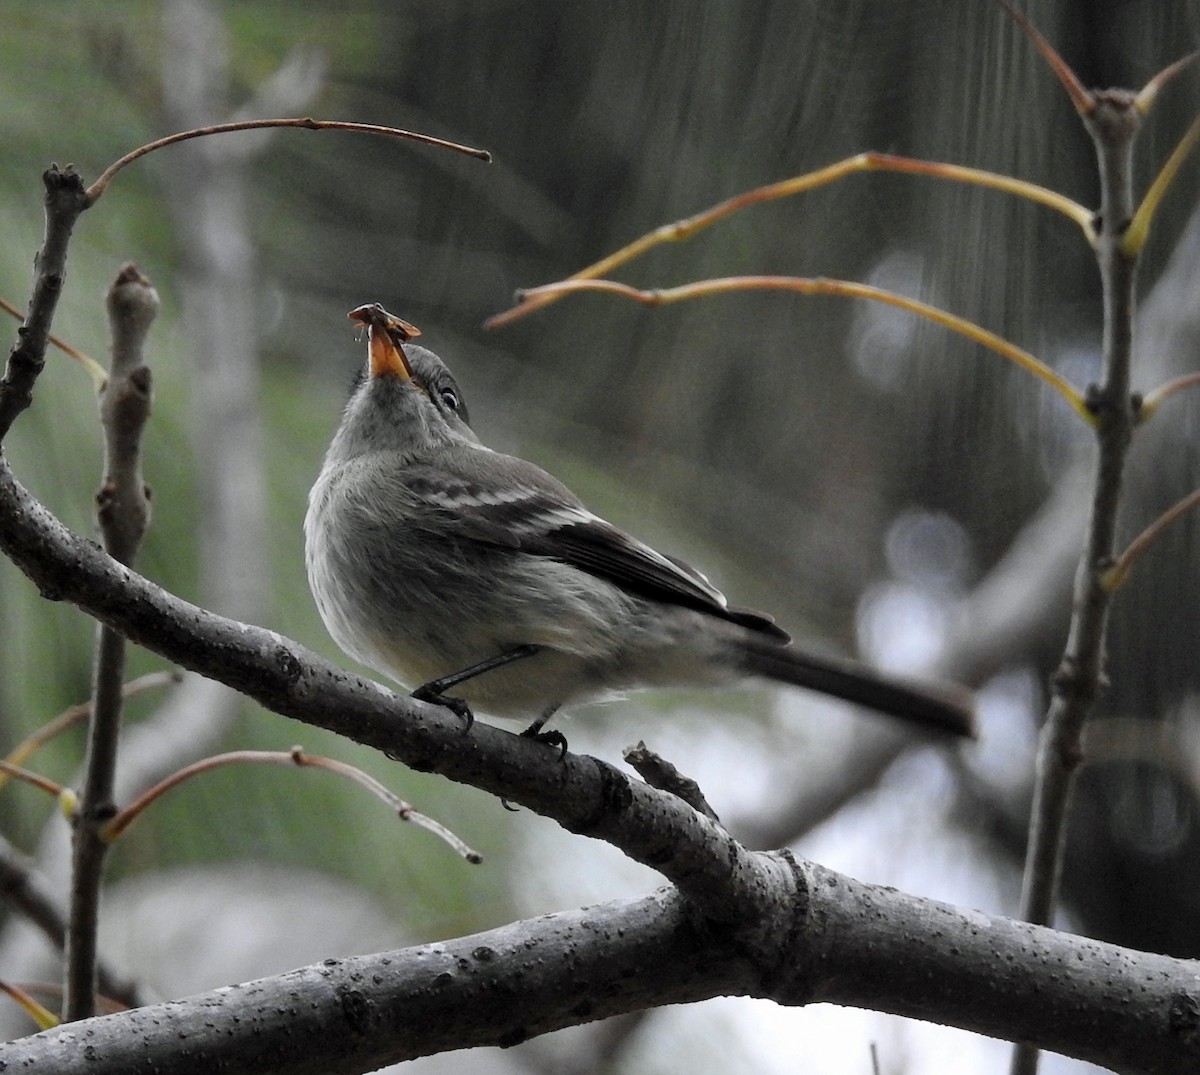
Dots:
pixel 97 189
pixel 296 756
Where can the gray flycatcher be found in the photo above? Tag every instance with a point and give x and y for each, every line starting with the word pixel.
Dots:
pixel 451 567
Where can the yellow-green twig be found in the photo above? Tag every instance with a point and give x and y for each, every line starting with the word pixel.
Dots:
pixel 65 796
pixel 1148 93
pixel 862 162
pixel 39 1013
pixel 826 286
pixel 96 371
pixel 1139 227
pixel 1154 399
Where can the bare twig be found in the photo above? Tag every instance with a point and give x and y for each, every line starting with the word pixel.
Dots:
pixel 1083 100
pixel 124 515
pixel 34 780
pixel 296 757
pixel 534 298
pixel 105 1004
pixel 1139 228
pixel 124 501
pixel 68 718
pixel 23 888
pixel 1149 92
pixel 1078 679
pixel 825 286
pixel 20 888
pixel 1112 119
pixel 65 201
pixel 93 368
pixel 1115 576
pixel 660 773
pixel 1154 399
pixel 42 1016
pixel 97 189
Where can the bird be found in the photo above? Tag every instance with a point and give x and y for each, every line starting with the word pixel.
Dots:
pixel 480 581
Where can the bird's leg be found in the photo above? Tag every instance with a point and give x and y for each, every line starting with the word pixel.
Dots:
pixel 534 732
pixel 434 690
pixel 553 738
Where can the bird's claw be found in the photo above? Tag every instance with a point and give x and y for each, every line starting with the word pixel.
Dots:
pixel 551 738
pixel 457 706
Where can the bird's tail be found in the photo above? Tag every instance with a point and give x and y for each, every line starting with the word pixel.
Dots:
pixel 941 707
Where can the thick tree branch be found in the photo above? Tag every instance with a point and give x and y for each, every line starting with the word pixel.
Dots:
pixel 847 942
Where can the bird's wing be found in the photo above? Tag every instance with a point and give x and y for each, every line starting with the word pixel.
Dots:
pixel 511 502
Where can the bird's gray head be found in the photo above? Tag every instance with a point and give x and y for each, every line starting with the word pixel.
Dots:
pixel 405 399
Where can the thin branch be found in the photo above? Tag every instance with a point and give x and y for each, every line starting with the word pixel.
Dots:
pixel 34 780
pixel 25 890
pixel 113 829
pixel 68 718
pixel 124 501
pixel 65 200
pixel 1149 92
pixel 1115 576
pixel 824 286
pixel 534 298
pixel 105 1004
pixel 660 773
pixel 403 810
pixel 1154 399
pixel 124 514
pixel 1078 678
pixel 97 189
pixel 94 370
pixel 1139 228
pixel 1076 684
pixel 1081 97
pixel 42 1016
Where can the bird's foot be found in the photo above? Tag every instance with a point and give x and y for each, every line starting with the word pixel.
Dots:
pixel 552 738
pixel 430 693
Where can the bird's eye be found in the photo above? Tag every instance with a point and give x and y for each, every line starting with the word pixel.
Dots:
pixel 450 398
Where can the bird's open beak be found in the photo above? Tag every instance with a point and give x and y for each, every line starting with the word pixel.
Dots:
pixel 386 335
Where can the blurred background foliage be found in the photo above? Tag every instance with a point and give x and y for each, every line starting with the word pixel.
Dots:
pixel 820 458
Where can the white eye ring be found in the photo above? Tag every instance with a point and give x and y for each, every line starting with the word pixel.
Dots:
pixel 450 398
